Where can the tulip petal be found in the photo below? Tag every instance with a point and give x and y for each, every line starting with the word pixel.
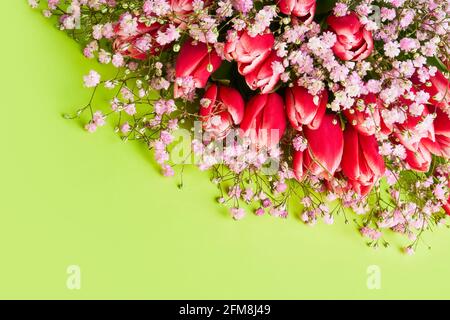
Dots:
pixel 440 147
pixel 370 149
pixel 274 119
pixel 347 25
pixel 297 165
pixel 256 45
pixel 291 109
pixel 193 60
pixel 420 160
pixel 252 110
pixel 189 57
pixel 234 102
pixel 323 100
pixel 264 119
pixel 210 94
pixel 354 42
pixel 369 45
pixel 440 88
pixel 201 74
pixel 442 124
pixel 249 52
pixel 447 207
pixel 350 159
pixel 326 144
pixel 286 6
pixel 304 109
pixel 341 52
pixel 264 77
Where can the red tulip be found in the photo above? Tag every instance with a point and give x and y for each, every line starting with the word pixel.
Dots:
pixel 366 108
pixel 325 150
pixel 305 109
pixel 225 109
pixel 442 123
pixel 439 89
pixel 304 9
pixel 440 146
pixel 264 119
pixel 196 61
pixel 264 77
pixel 419 160
pixel 361 163
pixel 249 52
pixel 139 45
pixel 354 42
pixel 410 135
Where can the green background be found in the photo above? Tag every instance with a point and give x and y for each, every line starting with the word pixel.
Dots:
pixel 70 198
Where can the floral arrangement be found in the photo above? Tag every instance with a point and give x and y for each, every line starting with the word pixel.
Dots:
pixel 334 107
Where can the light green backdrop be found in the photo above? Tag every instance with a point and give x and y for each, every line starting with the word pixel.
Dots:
pixel 70 198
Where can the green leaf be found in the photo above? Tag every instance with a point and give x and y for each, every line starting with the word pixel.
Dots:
pixel 435 61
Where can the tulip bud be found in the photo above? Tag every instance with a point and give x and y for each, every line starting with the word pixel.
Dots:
pixel 265 77
pixel 325 148
pixel 195 61
pixel 304 109
pixel 224 109
pixel 249 52
pixel 362 163
pixel 264 120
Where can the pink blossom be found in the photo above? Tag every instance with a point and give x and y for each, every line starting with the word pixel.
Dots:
pixel 370 233
pixel 99 119
pixel 91 127
pixel 409 251
pixel 117 60
pixel 125 128
pixel 408 44
pixel 237 213
pixel 340 9
pixel 391 49
pixel 299 143
pixel 259 212
pixel 92 79
pixel 130 109
pixel 166 137
pixel 171 34
pixel 167 170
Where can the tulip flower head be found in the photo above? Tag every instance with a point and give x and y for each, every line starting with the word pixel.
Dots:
pixel 305 109
pixel 195 62
pixel 354 41
pixel 304 9
pixel 222 107
pixel 362 163
pixel 323 156
pixel 264 120
pixel 249 52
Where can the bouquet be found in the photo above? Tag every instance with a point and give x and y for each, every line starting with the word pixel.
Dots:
pixel 315 108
